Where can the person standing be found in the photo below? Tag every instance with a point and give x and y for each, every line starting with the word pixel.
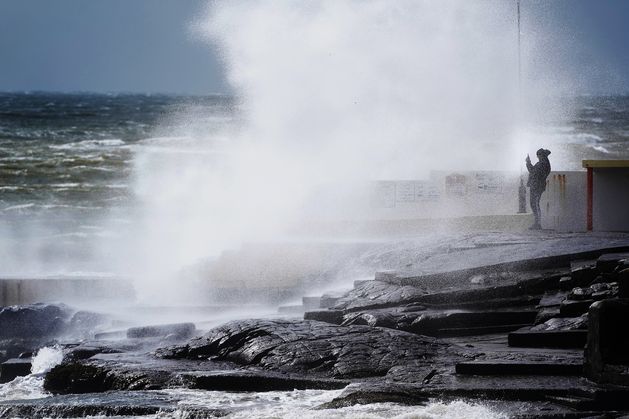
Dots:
pixel 537 183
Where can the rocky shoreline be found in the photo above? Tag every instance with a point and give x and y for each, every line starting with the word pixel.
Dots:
pixel 512 332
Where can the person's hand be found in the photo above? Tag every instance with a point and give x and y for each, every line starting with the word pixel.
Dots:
pixel 528 158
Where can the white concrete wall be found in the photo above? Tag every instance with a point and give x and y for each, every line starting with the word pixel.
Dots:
pixel 563 204
pixel 611 199
pixel 446 195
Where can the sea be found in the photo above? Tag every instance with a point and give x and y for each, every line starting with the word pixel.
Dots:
pixel 70 181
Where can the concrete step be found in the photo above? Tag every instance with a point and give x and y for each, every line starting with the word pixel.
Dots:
pixel 474 331
pixel 525 338
pixel 500 367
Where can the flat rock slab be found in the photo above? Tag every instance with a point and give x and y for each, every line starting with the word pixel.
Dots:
pixel 548 338
pixel 518 368
pixel 318 349
pixel 258 381
pixel 177 330
pixel 117 404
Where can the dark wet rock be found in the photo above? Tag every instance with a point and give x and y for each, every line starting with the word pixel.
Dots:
pixel 176 331
pixel 315 348
pixel 413 307
pixel 597 291
pixel 578 294
pixel 116 404
pixel 16 367
pixel 527 338
pixel 33 321
pixel 609 262
pixel 87 351
pixel 515 289
pixel 85 377
pixel 12 348
pixel 255 381
pixel 546 314
pixel 327 316
pixel 509 367
pixel 583 276
pixel 563 323
pixel 623 283
pixel 607 352
pixel 574 308
pixel 377 393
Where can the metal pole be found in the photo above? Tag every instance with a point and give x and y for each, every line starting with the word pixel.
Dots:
pixel 519 55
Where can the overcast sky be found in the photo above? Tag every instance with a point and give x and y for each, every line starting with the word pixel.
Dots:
pixel 146 46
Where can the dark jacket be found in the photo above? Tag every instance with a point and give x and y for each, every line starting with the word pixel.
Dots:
pixel 538 174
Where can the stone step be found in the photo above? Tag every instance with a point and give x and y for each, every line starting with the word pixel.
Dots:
pixel 608 262
pixel 574 308
pixel 525 338
pixel 14 367
pixel 475 331
pixel 431 322
pixel 499 367
pixel 180 330
pixel 327 316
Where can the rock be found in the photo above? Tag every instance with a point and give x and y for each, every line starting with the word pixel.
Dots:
pixel 119 404
pixel 77 377
pixel 527 338
pixel 607 351
pixel 177 331
pixel 583 275
pixel 518 368
pixel 578 294
pixel 16 367
pixel 597 291
pixel 563 323
pixel 255 381
pixel 574 308
pixel 623 283
pixel 33 321
pixel 608 262
pixel 377 393
pixel 327 316
pixel 314 348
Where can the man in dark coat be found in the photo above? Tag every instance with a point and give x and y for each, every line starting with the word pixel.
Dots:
pixel 537 183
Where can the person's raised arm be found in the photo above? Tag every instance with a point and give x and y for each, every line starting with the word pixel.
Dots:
pixel 529 166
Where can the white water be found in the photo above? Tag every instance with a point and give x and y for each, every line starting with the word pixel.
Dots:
pixel 32 385
pixel 332 93
pixel 302 404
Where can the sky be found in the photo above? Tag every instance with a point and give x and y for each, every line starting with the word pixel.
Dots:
pixel 148 46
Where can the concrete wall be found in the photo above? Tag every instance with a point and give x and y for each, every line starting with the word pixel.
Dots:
pixel 563 204
pixel 37 290
pixel 446 195
pixel 611 199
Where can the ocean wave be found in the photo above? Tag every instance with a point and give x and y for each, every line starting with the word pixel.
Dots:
pixel 89 144
pixel 19 207
pixel 600 148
